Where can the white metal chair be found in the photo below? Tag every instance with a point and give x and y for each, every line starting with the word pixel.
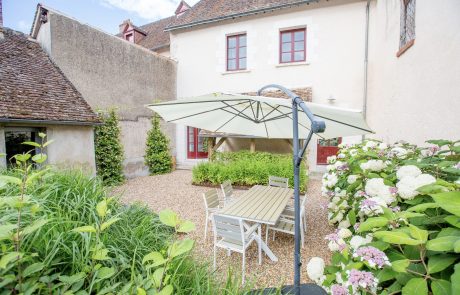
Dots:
pixel 232 235
pixel 289 212
pixel 278 181
pixel 227 191
pixel 286 225
pixel 211 204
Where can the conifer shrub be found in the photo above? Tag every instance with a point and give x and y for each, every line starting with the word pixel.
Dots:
pixel 157 155
pixel 108 148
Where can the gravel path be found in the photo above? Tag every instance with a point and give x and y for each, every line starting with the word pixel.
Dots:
pixel 175 191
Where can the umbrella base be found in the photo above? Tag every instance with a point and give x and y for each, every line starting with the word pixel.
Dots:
pixel 310 289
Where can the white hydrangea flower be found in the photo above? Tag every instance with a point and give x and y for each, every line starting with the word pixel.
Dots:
pixel 358 241
pixel 344 233
pixel 371 144
pixel 382 146
pixel 337 218
pixel 352 178
pixel 336 245
pixel 330 180
pixel 375 187
pixel 408 170
pixel 315 269
pixel 344 224
pixel 373 165
pixel 330 167
pixel 399 152
pixel 353 152
pixel 407 186
pixel 372 206
pixel 331 159
pixel 341 156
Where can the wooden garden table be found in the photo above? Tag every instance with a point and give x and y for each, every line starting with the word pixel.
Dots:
pixel 262 205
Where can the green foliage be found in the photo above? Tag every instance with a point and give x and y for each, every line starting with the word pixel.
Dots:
pixel 61 233
pixel 157 156
pixel 414 197
pixel 246 169
pixel 108 149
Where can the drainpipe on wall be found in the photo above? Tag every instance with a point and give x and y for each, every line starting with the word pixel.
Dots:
pixel 366 54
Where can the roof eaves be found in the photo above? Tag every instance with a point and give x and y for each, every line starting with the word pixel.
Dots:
pixel 50 122
pixel 235 15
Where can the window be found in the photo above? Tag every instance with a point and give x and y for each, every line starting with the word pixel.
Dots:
pixel 292 45
pixel 14 137
pixel 407 32
pixel 130 37
pixel 236 52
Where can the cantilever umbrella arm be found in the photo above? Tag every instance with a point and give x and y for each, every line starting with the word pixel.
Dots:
pixel 317 126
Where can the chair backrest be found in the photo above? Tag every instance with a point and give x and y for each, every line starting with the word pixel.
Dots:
pixel 278 181
pixel 227 189
pixel 228 228
pixel 211 199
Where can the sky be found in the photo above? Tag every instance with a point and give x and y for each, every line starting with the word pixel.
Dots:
pixel 102 14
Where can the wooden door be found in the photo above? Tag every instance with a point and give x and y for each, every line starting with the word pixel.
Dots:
pixel 326 148
pixel 196 148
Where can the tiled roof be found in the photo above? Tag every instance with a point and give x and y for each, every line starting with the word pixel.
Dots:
pixel 156 36
pixel 207 11
pixel 305 93
pixel 32 87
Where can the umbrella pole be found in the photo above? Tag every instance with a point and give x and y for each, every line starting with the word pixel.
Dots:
pixel 317 126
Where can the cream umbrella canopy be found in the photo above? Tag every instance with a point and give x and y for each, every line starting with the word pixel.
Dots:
pixel 267 117
pixel 257 116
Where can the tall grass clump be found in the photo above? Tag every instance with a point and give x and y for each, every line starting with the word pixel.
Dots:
pixel 246 169
pixel 61 232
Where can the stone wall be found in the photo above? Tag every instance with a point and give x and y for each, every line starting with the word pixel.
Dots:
pixel 112 73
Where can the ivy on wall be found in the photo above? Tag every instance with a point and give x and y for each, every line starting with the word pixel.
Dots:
pixel 157 155
pixel 109 151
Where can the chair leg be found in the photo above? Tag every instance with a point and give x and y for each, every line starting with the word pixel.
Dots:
pixel 274 232
pixel 244 264
pixel 229 252
pixel 266 235
pixel 214 257
pixel 260 244
pixel 206 226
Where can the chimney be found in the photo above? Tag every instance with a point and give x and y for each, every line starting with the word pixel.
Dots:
pixel 121 27
pixel 1 14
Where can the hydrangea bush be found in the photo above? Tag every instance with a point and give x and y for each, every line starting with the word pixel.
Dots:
pixel 397 213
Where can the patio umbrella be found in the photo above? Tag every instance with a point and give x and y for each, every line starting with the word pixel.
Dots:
pixel 267 117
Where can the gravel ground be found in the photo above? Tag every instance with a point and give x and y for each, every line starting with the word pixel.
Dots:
pixel 176 192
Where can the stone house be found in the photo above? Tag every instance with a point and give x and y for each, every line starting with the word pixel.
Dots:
pixel 396 60
pixel 35 96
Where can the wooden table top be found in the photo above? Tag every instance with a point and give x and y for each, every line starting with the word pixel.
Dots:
pixel 261 204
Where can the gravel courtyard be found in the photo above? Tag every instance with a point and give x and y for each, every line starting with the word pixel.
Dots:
pixel 176 192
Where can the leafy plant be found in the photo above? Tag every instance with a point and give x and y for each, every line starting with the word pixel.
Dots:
pixel 157 155
pixel 108 149
pixel 398 218
pixel 246 169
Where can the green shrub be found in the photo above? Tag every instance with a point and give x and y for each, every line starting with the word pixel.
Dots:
pixel 246 169
pixel 157 156
pixel 108 149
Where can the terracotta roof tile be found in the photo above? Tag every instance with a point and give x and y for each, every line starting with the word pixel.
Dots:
pixel 156 35
pixel 32 87
pixel 214 10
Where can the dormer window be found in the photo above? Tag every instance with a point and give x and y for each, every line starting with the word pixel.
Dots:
pixel 129 37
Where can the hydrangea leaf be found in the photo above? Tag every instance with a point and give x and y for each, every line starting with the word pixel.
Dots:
pixel 422 207
pixel 167 290
pixel 441 287
pixel 186 226
pixel 400 265
pixel 440 262
pixel 442 244
pixel 373 222
pixel 386 274
pixel 453 220
pixel 180 247
pixel 455 279
pixel 415 286
pixel 449 201
pixel 394 237
pixel 417 233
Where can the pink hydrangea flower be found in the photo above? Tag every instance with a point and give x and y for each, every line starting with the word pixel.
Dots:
pixel 339 290
pixel 362 279
pixel 373 256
